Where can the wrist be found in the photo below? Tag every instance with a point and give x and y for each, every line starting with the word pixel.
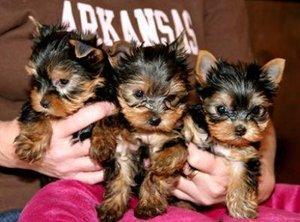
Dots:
pixel 8 132
pixel 266 182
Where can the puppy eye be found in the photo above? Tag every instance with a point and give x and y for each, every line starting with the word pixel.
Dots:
pixel 258 111
pixel 138 94
pixel 221 110
pixel 63 82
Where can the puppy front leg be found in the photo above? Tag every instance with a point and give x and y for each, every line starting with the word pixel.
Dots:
pixel 160 180
pixel 35 135
pixel 104 139
pixel 242 194
pixel 119 180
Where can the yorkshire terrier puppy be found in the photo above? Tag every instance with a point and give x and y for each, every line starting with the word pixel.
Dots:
pixel 152 92
pixel 68 70
pixel 235 103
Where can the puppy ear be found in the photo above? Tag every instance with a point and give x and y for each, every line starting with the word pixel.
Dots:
pixel 82 50
pixel 274 69
pixel 38 26
pixel 178 43
pixel 118 51
pixel 205 61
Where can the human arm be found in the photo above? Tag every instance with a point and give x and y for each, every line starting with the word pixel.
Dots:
pixel 63 159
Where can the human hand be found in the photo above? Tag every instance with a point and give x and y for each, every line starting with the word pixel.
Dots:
pixel 71 161
pixel 210 182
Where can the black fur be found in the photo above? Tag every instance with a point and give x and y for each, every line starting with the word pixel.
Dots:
pixel 240 79
pixel 173 142
pixel 52 48
pixel 197 114
pixel 249 88
pixel 253 172
pixel 28 114
pixel 162 62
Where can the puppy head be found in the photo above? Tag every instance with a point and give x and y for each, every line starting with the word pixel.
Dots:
pixel 236 97
pixel 66 68
pixel 153 85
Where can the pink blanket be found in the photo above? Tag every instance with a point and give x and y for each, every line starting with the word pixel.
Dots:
pixel 68 201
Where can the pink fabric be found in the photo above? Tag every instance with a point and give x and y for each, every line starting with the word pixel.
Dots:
pixel 68 201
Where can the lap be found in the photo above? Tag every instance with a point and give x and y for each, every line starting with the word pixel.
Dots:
pixel 68 200
pixel 64 200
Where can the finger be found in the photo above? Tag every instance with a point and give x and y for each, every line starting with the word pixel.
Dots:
pixel 187 186
pixel 190 189
pixel 183 196
pixel 84 117
pixel 88 177
pixel 85 164
pixel 210 186
pixel 206 162
pixel 200 194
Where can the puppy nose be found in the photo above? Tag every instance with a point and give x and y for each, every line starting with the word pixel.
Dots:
pixel 240 130
pixel 154 121
pixel 45 103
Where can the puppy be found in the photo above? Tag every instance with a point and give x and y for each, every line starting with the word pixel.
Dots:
pixel 68 70
pixel 234 109
pixel 152 91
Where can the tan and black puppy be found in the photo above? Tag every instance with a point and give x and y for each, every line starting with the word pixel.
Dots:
pixel 68 70
pixel 152 92
pixel 236 99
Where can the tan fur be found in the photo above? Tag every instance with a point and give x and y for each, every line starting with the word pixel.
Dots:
pixel 164 168
pixel 259 99
pixel 160 180
pixel 205 61
pixel 103 141
pixel 192 133
pixel 275 69
pixel 168 161
pixel 33 140
pixel 140 100
pixel 139 117
pixel 243 159
pixel 57 73
pixel 241 197
pixel 218 98
pixel 61 107
pixel 224 132
pixel 153 197
pixel 118 190
pixel 31 68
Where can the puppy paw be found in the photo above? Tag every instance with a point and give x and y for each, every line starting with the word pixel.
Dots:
pixel 110 212
pixel 149 210
pixel 30 149
pixel 243 208
pixel 243 213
